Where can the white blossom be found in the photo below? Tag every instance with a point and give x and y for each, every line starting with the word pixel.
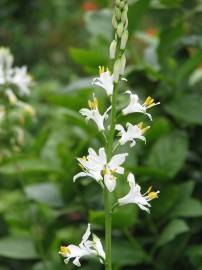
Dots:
pixel 135 106
pixel 105 80
pixel 96 166
pixel 132 133
pixel 135 196
pixel 94 114
pixel 13 76
pixel 85 248
pixel 22 79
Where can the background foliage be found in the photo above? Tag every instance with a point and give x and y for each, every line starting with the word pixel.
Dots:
pixel 63 43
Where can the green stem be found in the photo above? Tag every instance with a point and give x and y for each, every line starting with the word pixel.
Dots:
pixel 107 195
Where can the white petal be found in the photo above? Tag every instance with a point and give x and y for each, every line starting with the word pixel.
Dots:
pixel 117 160
pixel 110 182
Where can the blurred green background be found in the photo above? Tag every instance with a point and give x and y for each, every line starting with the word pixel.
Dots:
pixel 63 42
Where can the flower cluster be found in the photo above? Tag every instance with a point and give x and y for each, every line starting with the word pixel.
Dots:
pixel 15 85
pixel 85 248
pixel 105 165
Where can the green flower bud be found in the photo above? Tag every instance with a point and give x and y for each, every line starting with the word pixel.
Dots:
pixel 117 2
pixel 120 29
pixel 112 49
pixel 124 16
pixel 122 64
pixel 114 22
pixel 126 24
pixel 117 13
pixel 122 4
pixel 124 40
pixel 116 72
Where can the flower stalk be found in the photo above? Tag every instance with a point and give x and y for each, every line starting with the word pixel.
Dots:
pixel 104 165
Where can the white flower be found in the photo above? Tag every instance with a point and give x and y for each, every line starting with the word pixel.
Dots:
pixel 105 80
pixel 135 106
pixel 94 113
pixel 96 166
pixel 22 79
pixel 133 132
pixel 135 196
pixel 85 248
pixel 13 75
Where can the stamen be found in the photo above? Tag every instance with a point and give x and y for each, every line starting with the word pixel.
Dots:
pixel 93 105
pixel 143 129
pixel 149 101
pixel 101 69
pixel 64 250
pixel 153 195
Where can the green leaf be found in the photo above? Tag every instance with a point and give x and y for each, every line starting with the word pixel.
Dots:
pixel 125 253
pixel 194 253
pixel 188 208
pixel 185 70
pixel 171 231
pixel 187 109
pixel 47 193
pixel 90 60
pixel 136 12
pixel 17 248
pixel 168 154
pixel 121 218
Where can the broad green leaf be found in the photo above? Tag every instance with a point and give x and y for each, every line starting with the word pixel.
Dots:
pixel 17 248
pixel 160 127
pixel 194 253
pixel 125 253
pixel 121 218
pixel 168 154
pixel 47 193
pixel 171 3
pixel 188 208
pixel 171 231
pixel 185 70
pixel 187 109
pixel 90 60
pixel 168 37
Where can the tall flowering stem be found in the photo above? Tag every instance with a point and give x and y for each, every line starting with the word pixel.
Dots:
pixel 103 165
pixel 117 48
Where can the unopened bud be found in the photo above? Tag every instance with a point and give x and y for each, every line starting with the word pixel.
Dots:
pixel 112 49
pixel 116 72
pixel 124 16
pixel 114 22
pixel 117 2
pixel 122 4
pixel 120 29
pixel 118 13
pixel 124 40
pixel 122 64
pixel 126 24
pixel 126 8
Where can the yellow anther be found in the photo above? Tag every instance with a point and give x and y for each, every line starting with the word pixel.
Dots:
pixel 64 250
pixel 93 105
pixel 140 125
pixel 153 195
pixel 149 101
pixel 102 69
pixel 143 129
pixel 84 158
